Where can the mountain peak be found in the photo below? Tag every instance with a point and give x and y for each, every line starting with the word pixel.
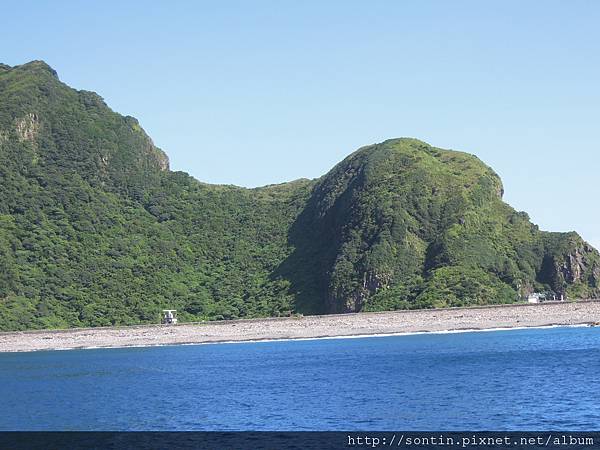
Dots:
pixel 35 66
pixel 75 130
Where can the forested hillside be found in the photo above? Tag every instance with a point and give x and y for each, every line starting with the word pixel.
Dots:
pixel 96 230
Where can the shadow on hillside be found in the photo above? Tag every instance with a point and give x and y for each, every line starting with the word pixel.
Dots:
pixel 303 268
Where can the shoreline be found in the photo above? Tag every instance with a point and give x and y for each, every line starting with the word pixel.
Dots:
pixel 339 326
pixel 316 338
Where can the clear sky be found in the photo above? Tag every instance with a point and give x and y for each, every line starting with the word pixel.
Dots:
pixel 260 92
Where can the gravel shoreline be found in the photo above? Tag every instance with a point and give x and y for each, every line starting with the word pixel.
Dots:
pixel 344 325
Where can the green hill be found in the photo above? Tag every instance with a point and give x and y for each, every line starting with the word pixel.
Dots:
pixel 95 229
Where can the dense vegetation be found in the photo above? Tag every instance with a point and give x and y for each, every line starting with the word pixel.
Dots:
pixel 95 230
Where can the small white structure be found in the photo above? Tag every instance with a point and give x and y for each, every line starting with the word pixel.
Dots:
pixel 537 297
pixel 169 317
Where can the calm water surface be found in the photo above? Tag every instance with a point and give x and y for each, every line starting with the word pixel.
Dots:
pixel 519 379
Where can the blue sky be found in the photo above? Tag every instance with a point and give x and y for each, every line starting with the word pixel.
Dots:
pixel 260 92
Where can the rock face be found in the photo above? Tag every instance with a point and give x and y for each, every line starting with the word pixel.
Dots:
pixel 574 267
pixel 27 127
pixel 573 264
pixel 96 230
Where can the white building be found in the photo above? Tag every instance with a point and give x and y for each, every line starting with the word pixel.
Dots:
pixel 536 297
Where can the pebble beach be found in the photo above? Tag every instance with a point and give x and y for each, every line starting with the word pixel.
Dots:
pixel 309 327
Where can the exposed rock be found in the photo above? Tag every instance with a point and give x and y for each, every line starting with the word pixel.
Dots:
pixel 595 278
pixel 578 265
pixel 372 282
pixel 161 159
pixel 28 127
pixel 156 155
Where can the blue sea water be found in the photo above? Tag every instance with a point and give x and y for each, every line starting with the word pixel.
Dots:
pixel 538 379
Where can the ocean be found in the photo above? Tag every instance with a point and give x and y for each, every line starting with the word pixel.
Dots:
pixel 531 379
